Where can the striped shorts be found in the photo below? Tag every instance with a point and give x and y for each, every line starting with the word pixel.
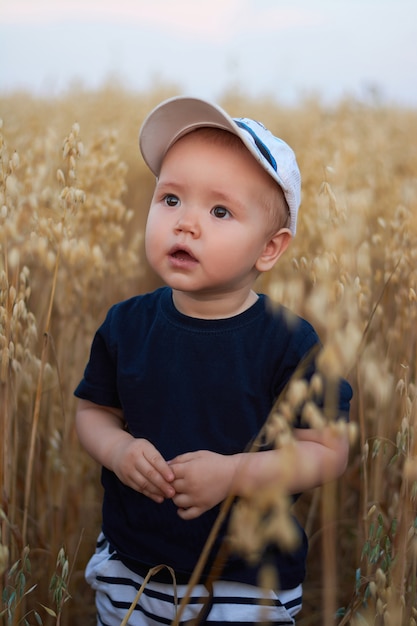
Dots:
pixel 116 589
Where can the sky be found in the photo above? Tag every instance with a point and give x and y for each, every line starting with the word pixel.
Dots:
pixel 284 49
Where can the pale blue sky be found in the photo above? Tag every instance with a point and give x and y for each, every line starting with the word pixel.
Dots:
pixel 283 48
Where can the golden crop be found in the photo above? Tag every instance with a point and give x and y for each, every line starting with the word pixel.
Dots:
pixel 73 200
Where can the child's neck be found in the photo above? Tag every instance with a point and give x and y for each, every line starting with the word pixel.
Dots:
pixel 208 306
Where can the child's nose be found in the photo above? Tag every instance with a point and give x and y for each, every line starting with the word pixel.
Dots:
pixel 188 222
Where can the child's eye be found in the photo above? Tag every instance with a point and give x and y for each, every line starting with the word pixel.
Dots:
pixel 220 212
pixel 171 200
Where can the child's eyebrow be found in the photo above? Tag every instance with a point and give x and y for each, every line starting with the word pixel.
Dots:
pixel 167 184
pixel 226 198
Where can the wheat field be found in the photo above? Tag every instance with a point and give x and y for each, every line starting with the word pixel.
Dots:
pixel 73 201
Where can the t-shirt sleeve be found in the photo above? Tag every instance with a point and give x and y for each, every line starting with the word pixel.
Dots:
pixel 99 383
pixel 332 396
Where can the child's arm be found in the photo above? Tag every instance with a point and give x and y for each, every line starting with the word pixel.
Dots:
pixel 315 457
pixel 136 462
pixel 203 478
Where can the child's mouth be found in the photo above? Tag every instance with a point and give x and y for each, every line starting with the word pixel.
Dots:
pixel 182 258
pixel 182 255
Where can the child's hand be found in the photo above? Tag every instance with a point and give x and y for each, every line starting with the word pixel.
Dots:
pixel 139 465
pixel 136 462
pixel 202 480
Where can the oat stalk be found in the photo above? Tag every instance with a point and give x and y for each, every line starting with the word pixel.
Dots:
pixel 37 405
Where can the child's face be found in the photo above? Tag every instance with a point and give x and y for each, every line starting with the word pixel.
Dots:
pixel 208 221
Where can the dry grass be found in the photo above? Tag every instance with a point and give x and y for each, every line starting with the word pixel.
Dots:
pixel 73 201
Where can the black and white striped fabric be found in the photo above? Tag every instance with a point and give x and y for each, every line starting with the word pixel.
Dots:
pixel 230 603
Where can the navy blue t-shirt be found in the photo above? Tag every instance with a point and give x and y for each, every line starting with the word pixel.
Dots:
pixel 189 384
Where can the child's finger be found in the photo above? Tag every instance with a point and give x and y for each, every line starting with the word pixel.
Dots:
pixel 190 513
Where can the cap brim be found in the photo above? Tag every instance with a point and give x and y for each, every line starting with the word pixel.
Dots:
pixel 175 118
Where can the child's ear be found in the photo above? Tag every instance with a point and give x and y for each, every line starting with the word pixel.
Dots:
pixel 273 249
